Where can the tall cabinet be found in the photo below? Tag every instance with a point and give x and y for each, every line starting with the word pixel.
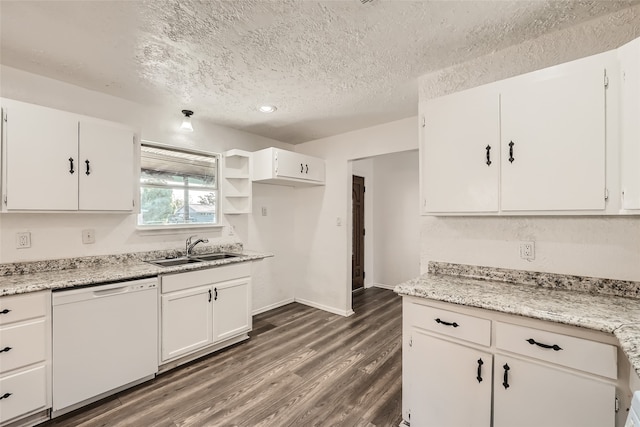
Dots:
pixel 58 161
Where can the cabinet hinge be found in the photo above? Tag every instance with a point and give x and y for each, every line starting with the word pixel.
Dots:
pixel 606 194
pixel 5 199
pixel 133 203
pixel 606 80
pixel 617 404
pixel 410 341
pixel 4 116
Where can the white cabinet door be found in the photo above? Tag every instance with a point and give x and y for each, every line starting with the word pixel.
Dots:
pixel 232 313
pixel 42 165
pixel 106 167
pixel 187 321
pixel 539 395
pixel 294 165
pixel 461 152
pixel 630 151
pixel 553 139
pixel 444 390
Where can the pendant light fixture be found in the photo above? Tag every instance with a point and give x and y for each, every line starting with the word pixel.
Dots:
pixel 186 122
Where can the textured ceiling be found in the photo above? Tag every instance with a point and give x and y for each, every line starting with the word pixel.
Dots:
pixel 329 66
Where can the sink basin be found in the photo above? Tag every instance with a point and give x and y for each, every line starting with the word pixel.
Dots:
pixel 173 262
pixel 214 257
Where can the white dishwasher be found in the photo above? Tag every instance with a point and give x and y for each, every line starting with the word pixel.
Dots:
pixel 105 338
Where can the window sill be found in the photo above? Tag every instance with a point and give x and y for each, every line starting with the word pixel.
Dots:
pixel 174 229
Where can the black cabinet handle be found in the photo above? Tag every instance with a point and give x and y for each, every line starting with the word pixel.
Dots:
pixel 5 311
pixel 216 297
pixel 488 148
pixel 88 169
pixel 209 295
pixel 307 169
pixel 555 347
pixel 4 396
pixel 505 379
pixel 511 158
pixel 442 322
pixel 6 349
pixel 479 377
pixel 71 171
pixel 301 168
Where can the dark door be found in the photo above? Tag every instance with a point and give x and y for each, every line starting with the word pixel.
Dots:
pixel 357 255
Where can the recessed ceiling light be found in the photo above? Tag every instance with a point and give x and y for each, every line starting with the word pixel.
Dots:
pixel 267 108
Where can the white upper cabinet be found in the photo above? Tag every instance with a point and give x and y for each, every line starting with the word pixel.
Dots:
pixel 58 161
pixel 543 143
pixel 553 138
pixel 106 167
pixel 40 158
pixel 461 152
pixel 629 55
pixel 277 166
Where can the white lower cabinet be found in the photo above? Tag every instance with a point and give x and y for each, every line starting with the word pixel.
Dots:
pixel 529 394
pixel 471 367
pixel 25 358
pixel 202 308
pixel 449 385
pixel 187 321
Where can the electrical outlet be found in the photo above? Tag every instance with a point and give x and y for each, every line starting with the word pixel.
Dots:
pixel 23 240
pixel 264 211
pixel 528 250
pixel 88 236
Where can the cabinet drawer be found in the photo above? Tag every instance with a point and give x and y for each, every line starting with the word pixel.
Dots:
pixel 15 308
pixel 577 353
pixel 193 279
pixel 26 393
pixel 450 323
pixel 22 344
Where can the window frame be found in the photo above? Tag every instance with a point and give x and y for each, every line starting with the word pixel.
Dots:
pixel 184 226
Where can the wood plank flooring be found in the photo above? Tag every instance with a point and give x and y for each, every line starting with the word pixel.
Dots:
pixel 301 367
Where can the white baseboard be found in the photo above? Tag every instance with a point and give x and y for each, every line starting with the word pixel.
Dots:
pixel 383 286
pixel 345 313
pixel 272 306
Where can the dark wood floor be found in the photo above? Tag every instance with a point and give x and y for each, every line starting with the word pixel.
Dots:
pixel 301 367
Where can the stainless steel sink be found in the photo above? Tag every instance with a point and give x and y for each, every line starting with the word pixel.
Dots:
pixel 190 260
pixel 174 261
pixel 214 257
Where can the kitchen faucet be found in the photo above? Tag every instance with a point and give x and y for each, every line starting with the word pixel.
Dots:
pixel 190 246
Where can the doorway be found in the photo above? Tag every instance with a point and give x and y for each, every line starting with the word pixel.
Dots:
pixel 357 253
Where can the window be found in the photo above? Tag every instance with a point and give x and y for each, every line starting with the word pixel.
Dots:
pixel 177 187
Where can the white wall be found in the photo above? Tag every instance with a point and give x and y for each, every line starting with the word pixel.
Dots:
pixel 601 247
pixel 396 218
pixel 59 235
pixel 323 247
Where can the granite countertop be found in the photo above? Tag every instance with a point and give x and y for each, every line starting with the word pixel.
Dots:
pixel 18 278
pixel 598 304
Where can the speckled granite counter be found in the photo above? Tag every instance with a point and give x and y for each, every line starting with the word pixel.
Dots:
pixel 599 304
pixel 20 278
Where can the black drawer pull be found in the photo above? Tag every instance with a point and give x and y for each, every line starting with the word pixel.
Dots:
pixel 88 172
pixel 216 294
pixel 209 295
pixel 6 349
pixel 479 377
pixel 71 171
pixel 488 162
pixel 4 396
pixel 301 168
pixel 442 322
pixel 511 158
pixel 555 347
pixel 505 379
pixel 5 311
